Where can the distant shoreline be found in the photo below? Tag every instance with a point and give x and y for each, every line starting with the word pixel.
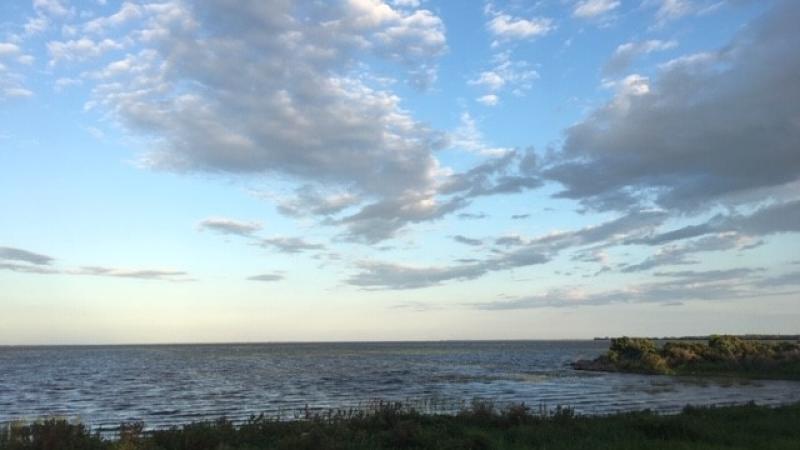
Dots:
pixel 747 337
pixel 762 337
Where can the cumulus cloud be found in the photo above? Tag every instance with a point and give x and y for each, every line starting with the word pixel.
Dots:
pixel 703 131
pixel 626 53
pixel 277 88
pixel 302 114
pixel 506 27
pixel 229 226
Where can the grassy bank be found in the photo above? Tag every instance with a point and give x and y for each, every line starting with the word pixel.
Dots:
pixel 481 427
pixel 720 356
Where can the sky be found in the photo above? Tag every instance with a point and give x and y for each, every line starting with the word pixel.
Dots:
pixel 272 170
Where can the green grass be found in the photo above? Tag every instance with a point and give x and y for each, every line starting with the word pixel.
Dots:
pixel 480 427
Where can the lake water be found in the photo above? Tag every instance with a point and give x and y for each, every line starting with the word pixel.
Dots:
pixel 170 384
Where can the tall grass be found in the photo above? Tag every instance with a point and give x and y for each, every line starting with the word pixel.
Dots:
pixel 481 425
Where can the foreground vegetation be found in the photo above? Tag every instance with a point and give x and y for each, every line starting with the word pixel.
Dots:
pixel 480 427
pixel 721 356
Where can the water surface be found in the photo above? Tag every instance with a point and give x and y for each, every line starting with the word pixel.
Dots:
pixel 171 384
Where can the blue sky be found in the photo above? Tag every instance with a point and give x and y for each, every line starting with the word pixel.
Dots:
pixel 179 171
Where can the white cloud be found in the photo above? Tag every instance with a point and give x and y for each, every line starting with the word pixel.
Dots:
pixel 670 10
pixel 507 27
pixel 65 82
pixel 8 49
pixel 80 49
pixel 407 3
pixel 488 99
pixel 589 9
pixel 673 9
pixel 127 12
pixel 505 74
pixel 17 92
pixel 52 7
pixel 468 137
pixel 36 25
pixel 626 53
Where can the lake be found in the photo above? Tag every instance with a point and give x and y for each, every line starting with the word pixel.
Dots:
pixel 170 384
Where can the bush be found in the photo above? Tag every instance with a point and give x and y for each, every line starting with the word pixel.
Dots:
pixel 722 355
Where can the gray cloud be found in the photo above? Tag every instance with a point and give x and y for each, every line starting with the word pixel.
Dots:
pixel 777 217
pixel 683 286
pixel 711 126
pixel 668 256
pixel 467 241
pixel 375 275
pixel 513 172
pixel 711 275
pixel 141 274
pixel 229 226
pixel 509 241
pixel 519 216
pixel 310 201
pixel 680 254
pixel 27 268
pixel 267 277
pixel 472 216
pixel 35 263
pixel 16 254
pixel 523 253
pixel 289 244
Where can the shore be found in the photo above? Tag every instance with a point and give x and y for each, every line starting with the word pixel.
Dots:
pixel 479 427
